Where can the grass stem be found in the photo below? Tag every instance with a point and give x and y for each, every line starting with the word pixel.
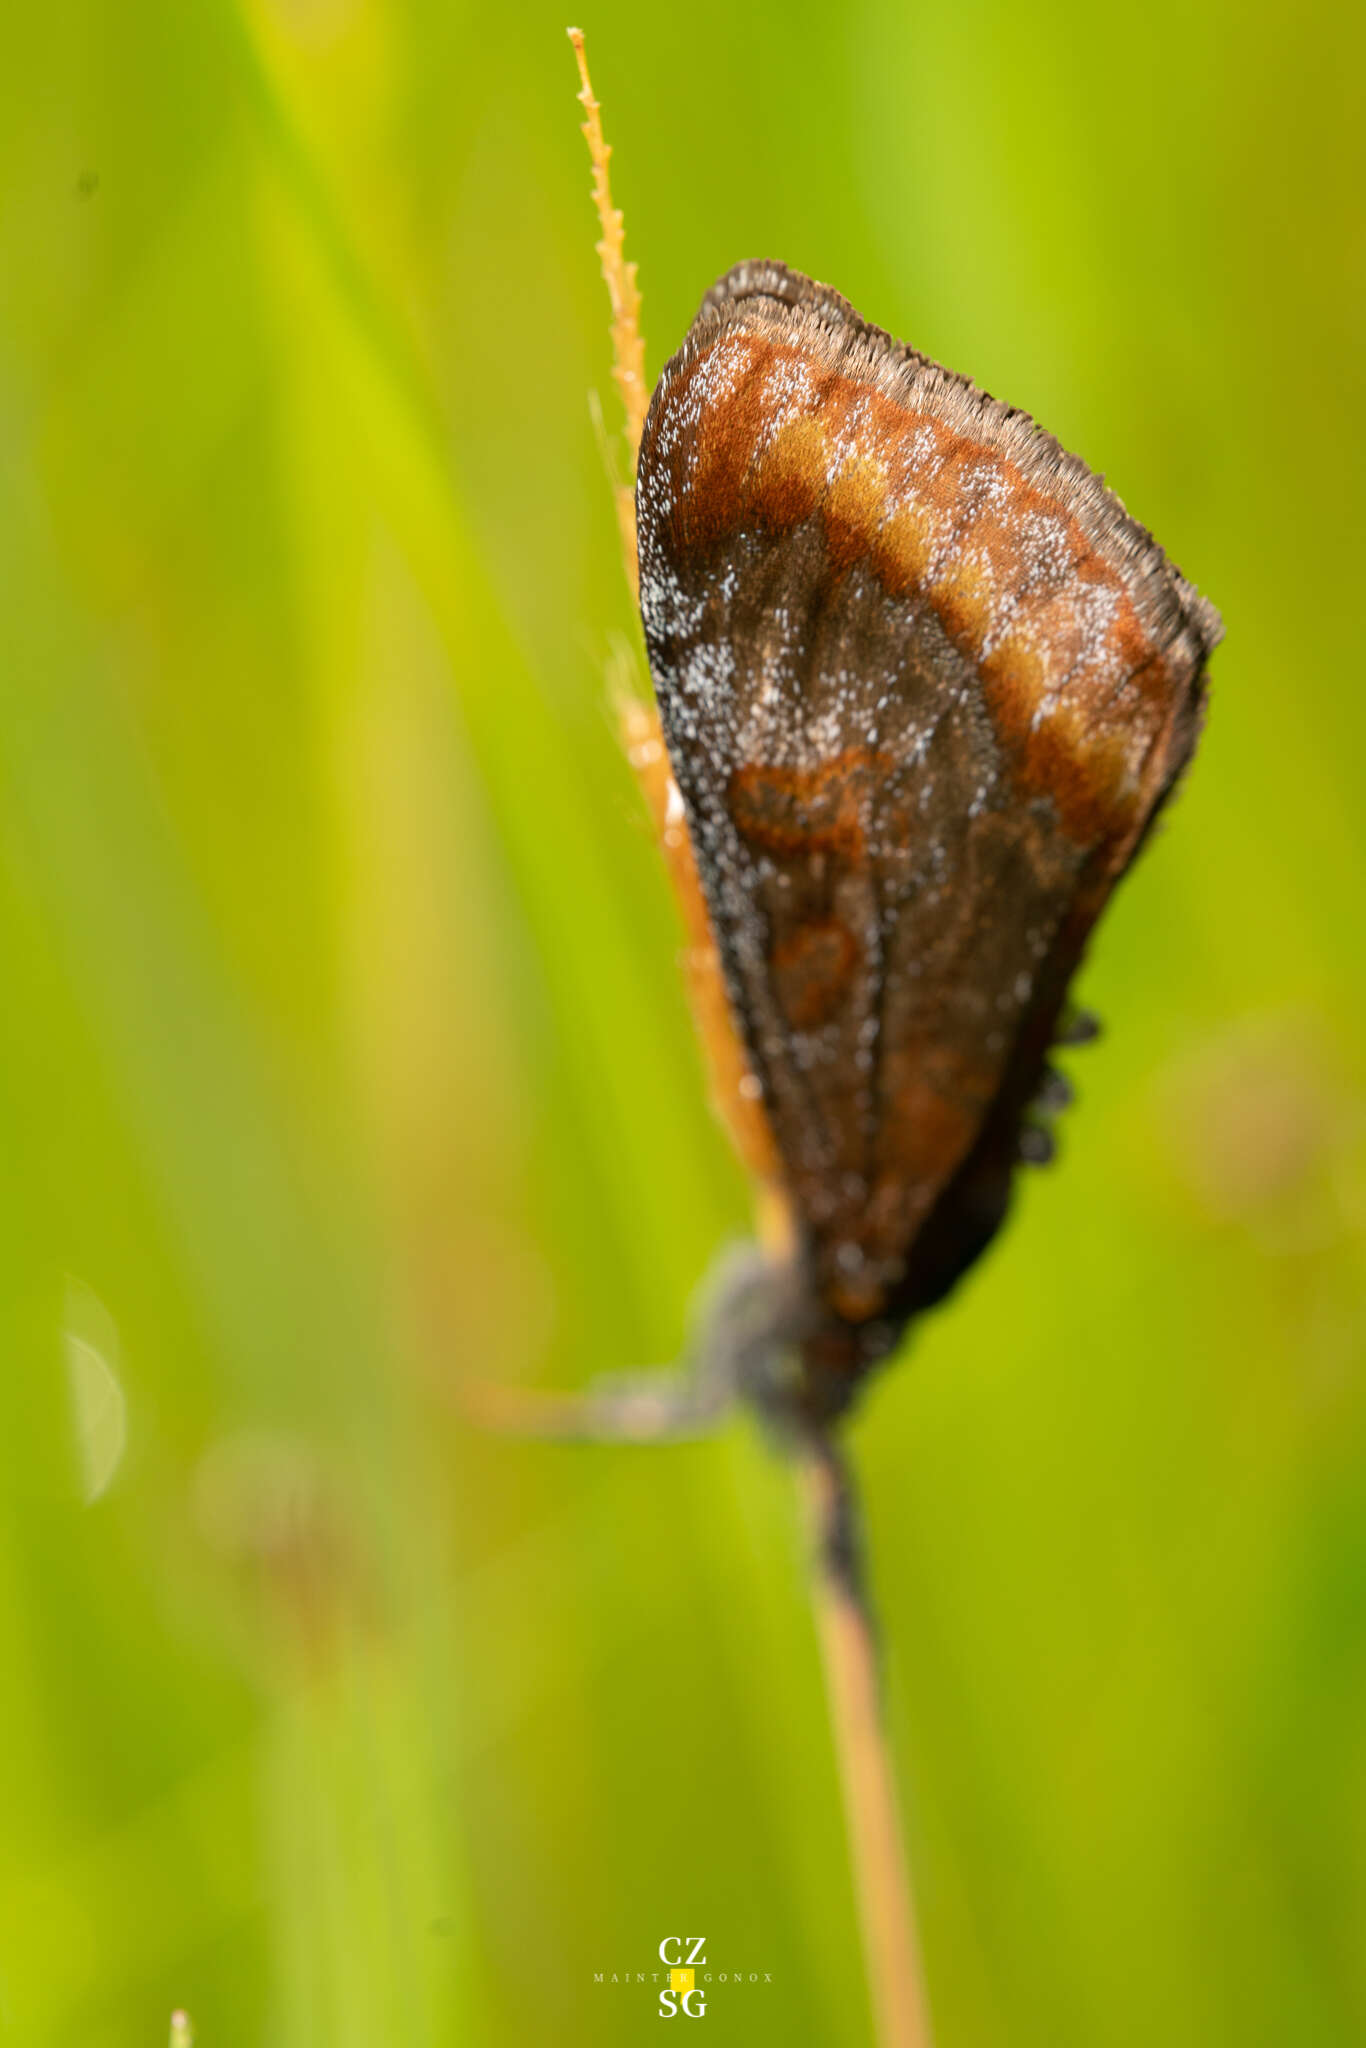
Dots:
pixel 849 1653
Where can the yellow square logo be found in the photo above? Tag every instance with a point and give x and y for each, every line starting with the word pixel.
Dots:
pixel 681 1980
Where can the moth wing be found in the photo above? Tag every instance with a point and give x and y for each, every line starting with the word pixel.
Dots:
pixel 924 685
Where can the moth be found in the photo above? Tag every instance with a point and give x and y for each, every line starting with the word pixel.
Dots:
pixel 924 687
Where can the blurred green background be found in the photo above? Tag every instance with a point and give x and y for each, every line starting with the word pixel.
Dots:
pixel 344 1055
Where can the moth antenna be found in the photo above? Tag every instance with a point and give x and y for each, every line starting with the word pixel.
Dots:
pixel 623 494
pixel 628 345
pixel 611 467
pixel 624 693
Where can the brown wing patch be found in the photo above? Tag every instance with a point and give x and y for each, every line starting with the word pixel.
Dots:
pixel 785 811
pixel 812 966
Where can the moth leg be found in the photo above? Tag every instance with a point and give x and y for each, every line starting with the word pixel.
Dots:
pixel 664 1406
pixel 1036 1144
pixel 737 1316
pixel 1078 1027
